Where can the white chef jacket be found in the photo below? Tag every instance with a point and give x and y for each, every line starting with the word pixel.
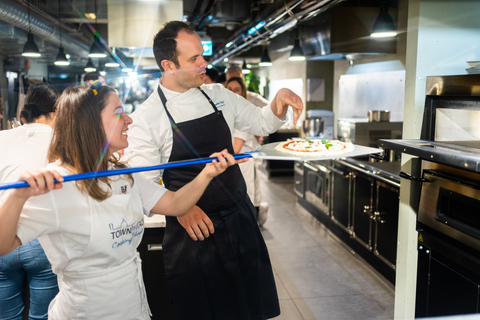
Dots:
pixel 92 246
pixel 150 134
pixel 23 148
pixel 249 170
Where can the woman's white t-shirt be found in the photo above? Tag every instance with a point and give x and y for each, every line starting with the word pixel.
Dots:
pixel 62 221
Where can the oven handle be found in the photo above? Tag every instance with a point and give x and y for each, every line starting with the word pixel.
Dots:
pixel 309 166
pixel 408 176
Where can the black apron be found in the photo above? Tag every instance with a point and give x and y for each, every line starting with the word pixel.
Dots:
pixel 228 275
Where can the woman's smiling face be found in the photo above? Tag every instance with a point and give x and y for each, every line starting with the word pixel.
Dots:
pixel 115 124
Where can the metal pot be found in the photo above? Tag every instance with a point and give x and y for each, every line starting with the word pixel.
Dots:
pixel 313 127
pixel 378 115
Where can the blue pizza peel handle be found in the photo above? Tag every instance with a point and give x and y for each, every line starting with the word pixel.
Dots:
pixel 105 173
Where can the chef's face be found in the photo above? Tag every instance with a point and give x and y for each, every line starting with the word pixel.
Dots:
pixel 191 64
pixel 235 87
pixel 115 124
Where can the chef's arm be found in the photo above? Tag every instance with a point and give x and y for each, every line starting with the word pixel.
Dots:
pixel 41 182
pixel 284 98
pixel 237 145
pixel 179 202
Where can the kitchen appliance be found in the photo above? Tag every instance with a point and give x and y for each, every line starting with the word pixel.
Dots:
pixel 319 124
pixel 378 115
pixel 362 132
pixel 317 177
pixel 448 220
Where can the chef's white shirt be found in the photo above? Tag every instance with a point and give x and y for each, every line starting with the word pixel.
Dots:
pixel 61 220
pixel 23 148
pixel 150 134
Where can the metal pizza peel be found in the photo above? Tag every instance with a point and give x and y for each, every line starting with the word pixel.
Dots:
pixel 266 151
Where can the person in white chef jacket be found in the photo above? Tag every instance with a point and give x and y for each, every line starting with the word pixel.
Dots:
pixel 227 274
pixel 25 148
pixel 246 142
pixel 90 229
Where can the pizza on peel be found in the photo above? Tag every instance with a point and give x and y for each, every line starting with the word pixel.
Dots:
pixel 315 147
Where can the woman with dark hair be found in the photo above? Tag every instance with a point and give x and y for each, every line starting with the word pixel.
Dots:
pixel 90 229
pixel 25 148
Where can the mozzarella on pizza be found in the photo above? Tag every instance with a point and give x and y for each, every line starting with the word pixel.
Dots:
pixel 315 147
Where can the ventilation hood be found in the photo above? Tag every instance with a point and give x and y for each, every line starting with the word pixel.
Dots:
pixel 329 30
pixel 344 32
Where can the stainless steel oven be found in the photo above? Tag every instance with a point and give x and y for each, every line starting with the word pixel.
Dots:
pixel 317 184
pixel 450 203
pixel 448 220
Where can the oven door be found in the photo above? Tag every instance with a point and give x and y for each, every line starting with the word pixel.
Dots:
pixel 317 186
pixel 451 206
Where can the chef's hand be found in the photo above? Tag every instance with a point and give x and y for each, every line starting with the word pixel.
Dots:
pixel 197 224
pixel 40 181
pixel 284 98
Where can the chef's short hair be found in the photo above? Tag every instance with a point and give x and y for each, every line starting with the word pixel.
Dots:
pixel 164 43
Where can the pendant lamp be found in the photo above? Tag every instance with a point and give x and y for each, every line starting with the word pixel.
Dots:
pixel 384 27
pixel 96 50
pixel 30 49
pixel 61 59
pixel 90 67
pixel 111 62
pixel 265 59
pixel 297 52
pixel 127 64
pixel 245 69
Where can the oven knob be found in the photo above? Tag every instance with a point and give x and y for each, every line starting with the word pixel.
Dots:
pixel 427 252
pixel 420 248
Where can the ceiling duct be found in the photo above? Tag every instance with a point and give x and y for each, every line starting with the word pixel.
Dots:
pixel 135 23
pixel 272 25
pixel 328 37
pixel 15 13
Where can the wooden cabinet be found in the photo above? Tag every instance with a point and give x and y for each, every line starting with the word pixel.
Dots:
pixel 151 253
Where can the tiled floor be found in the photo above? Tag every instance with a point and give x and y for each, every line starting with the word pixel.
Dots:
pixel 317 276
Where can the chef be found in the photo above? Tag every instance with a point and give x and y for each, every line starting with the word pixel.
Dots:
pixel 228 275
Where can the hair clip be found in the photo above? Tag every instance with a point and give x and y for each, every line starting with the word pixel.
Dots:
pixel 96 86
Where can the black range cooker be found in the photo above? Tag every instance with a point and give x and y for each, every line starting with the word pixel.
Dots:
pixel 448 221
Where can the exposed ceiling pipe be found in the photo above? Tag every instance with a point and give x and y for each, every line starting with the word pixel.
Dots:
pixel 16 14
pixel 266 28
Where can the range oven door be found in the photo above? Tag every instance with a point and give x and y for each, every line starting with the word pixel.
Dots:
pixel 451 206
pixel 317 185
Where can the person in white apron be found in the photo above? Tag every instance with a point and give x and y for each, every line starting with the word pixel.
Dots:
pixel 90 229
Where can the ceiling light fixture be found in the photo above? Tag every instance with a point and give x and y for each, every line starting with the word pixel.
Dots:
pixel 384 27
pixel 245 69
pixel 297 51
pixel 30 49
pixel 127 65
pixel 111 61
pixel 265 59
pixel 96 50
pixel 61 59
pixel 90 67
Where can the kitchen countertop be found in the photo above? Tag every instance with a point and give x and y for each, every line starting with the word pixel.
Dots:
pixel 156 221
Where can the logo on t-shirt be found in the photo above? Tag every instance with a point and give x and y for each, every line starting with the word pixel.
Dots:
pixel 124 189
pixel 125 232
pixel 220 104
